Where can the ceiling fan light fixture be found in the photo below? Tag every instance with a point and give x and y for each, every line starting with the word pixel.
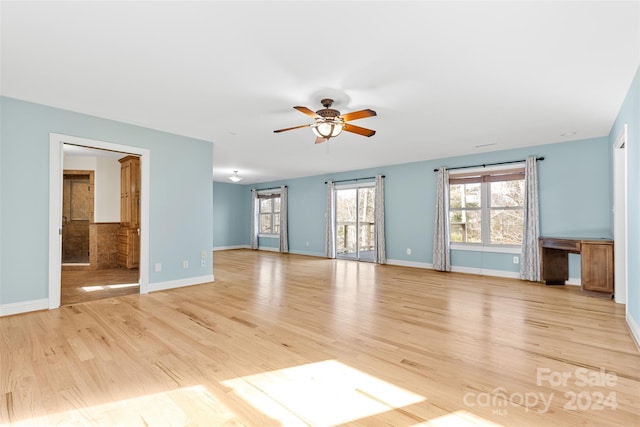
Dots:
pixel 327 129
pixel 235 177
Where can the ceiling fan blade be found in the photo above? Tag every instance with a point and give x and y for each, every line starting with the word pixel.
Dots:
pixel 320 140
pixel 295 127
pixel 358 115
pixel 357 129
pixel 307 111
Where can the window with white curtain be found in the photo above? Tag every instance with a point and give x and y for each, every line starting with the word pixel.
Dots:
pixel 486 208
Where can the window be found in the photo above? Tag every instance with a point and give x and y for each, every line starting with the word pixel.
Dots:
pixel 269 213
pixel 487 208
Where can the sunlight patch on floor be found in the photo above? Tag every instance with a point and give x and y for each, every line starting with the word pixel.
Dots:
pixel 193 406
pixel 458 419
pixel 323 393
pixel 105 287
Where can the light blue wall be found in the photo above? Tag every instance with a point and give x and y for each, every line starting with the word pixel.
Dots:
pixel 231 208
pixel 180 195
pixel 630 115
pixel 575 182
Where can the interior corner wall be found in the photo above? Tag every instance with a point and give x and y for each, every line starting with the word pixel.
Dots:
pixel 180 223
pixel 231 215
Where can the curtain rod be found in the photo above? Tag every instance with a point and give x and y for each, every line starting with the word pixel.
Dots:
pixel 353 179
pixel 489 164
pixel 265 189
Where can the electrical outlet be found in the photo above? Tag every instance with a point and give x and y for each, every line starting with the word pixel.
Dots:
pixel 158 267
pixel 307 244
pixel 203 262
pixel 516 260
pixel 408 251
pixel 203 254
pixel 185 264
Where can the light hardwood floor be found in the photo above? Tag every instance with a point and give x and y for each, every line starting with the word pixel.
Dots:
pixel 78 286
pixel 292 340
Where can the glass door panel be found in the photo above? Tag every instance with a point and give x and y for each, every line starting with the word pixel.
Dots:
pixel 355 223
pixel 346 219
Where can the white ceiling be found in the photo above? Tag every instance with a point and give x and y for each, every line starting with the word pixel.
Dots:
pixel 444 77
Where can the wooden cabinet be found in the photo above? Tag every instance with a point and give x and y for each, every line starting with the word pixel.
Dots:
pixel 129 232
pixel 596 262
pixel 128 248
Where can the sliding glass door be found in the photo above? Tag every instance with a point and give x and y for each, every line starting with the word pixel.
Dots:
pixel 355 223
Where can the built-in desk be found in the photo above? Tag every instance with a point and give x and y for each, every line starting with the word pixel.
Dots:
pixel 596 262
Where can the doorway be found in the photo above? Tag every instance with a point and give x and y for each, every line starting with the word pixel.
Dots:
pixel 56 161
pixel 92 224
pixel 355 222
pixel 77 214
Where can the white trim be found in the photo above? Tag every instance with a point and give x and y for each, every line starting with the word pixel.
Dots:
pixel 621 139
pixel 486 272
pixel 413 264
pixel 24 307
pixel 453 173
pixel 620 230
pixel 268 248
pixel 269 192
pixel 56 156
pixel 573 281
pixel 227 248
pixel 371 183
pixel 635 329
pixel 307 253
pixel 172 284
pixel 490 249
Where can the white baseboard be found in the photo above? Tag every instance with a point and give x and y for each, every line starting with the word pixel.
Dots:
pixel 414 264
pixel 635 329
pixel 573 281
pixel 307 253
pixel 226 248
pixel 172 284
pixel 486 272
pixel 24 307
pixel 457 269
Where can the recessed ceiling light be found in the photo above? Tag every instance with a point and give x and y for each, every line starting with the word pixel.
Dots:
pixel 568 134
pixel 485 145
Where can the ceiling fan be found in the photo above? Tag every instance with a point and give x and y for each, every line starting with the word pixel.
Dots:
pixel 330 123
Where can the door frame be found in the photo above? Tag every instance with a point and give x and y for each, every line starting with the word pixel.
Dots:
pixel 356 187
pixel 620 218
pixel 56 168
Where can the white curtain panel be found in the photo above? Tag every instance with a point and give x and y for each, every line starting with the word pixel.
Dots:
pixel 441 244
pixel 254 219
pixel 530 259
pixel 381 253
pixel 284 234
pixel 330 236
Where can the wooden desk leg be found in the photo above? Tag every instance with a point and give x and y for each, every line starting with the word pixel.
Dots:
pixel 555 266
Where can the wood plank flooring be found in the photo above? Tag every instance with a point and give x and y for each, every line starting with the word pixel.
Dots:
pixel 288 340
pixel 89 285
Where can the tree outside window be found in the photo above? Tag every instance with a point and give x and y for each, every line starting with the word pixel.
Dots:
pixel 487 209
pixel 270 214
